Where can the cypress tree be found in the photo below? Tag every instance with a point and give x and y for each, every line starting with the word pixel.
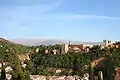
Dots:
pixel 3 74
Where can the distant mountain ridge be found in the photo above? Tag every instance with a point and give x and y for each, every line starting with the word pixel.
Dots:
pixel 36 42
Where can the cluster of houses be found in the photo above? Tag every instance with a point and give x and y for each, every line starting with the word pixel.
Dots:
pixel 65 48
pixel 85 47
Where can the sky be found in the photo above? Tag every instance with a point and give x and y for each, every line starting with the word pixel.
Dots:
pixel 83 20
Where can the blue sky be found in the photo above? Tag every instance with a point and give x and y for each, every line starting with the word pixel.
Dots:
pixel 83 20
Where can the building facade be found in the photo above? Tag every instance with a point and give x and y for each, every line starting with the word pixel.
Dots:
pixel 75 47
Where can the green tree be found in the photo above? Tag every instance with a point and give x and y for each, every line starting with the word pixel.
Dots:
pixel 3 74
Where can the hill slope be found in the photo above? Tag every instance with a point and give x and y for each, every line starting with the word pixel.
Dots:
pixel 18 48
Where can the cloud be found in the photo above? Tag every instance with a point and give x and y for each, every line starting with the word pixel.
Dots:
pixel 77 17
pixel 28 9
pixel 26 15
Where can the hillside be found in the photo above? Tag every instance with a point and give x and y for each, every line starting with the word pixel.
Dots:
pixel 18 48
pixel 4 41
pixel 9 52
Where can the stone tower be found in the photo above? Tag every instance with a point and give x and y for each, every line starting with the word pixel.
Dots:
pixel 106 43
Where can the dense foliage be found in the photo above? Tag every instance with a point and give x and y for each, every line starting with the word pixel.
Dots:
pixel 9 55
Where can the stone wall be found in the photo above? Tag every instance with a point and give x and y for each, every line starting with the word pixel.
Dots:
pixel 38 77
pixel 117 77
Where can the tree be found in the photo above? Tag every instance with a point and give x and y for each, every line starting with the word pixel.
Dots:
pixel 3 74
